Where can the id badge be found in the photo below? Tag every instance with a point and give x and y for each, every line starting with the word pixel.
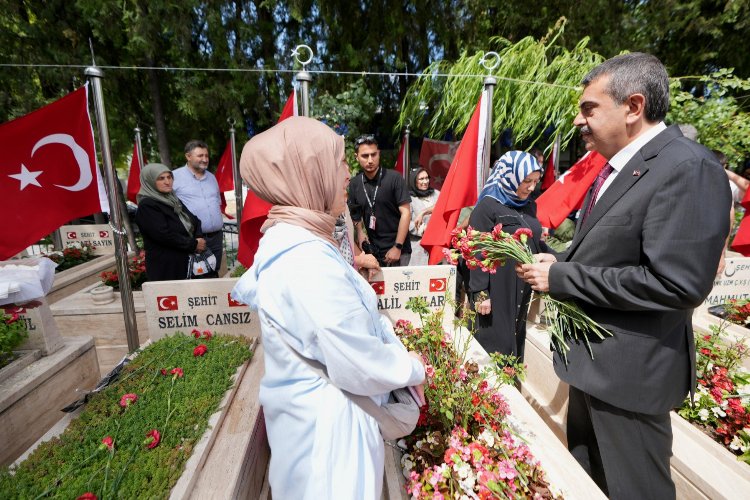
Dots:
pixel 372 222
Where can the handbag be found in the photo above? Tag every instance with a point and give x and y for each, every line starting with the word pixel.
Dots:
pixel 396 418
pixel 200 264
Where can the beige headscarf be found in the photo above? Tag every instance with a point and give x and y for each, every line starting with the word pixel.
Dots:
pixel 298 166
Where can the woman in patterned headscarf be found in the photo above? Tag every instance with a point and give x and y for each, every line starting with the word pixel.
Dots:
pixel 310 298
pixel 501 300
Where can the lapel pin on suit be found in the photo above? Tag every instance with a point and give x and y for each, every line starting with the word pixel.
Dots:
pixel 636 173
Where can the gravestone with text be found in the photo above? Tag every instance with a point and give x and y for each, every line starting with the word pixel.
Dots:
pixel 43 332
pixel 734 282
pixel 394 286
pixel 181 306
pixel 99 236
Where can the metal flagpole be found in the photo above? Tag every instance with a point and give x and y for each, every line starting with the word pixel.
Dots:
pixel 95 75
pixel 406 157
pixel 236 176
pixel 556 152
pixel 489 86
pixel 304 78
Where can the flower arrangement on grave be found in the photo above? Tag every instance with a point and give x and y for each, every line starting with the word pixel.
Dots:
pixel 136 272
pixel 133 438
pixel 722 396
pixel 74 254
pixel 13 332
pixel 735 311
pixel 464 445
pixel 486 251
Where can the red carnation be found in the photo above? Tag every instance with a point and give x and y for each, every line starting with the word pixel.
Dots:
pixel 108 442
pixel 152 439
pixel 196 333
pixel 164 371
pixel 177 372
pixel 87 496
pixel 128 399
pixel 200 350
pixel 207 334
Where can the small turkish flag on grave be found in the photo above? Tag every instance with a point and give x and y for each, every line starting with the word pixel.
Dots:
pixel 167 303
pixel 103 234
pixel 232 302
pixel 437 285
pixel 72 235
pixel 379 287
pixel 15 310
pixel 49 171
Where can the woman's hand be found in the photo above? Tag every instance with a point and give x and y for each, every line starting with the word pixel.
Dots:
pixel 484 307
pixel 418 221
pixel 201 246
pixel 369 262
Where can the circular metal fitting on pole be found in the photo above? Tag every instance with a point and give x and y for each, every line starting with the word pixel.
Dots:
pixel 93 71
pixel 303 76
pixel 296 55
pixel 231 121
pixel 490 80
pixel 485 61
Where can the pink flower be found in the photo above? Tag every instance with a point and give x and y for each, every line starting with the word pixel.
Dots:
pixel 497 232
pixel 107 442
pixel 177 372
pixel 87 496
pixel 152 439
pixel 128 399
pixel 200 350
pixel 522 234
pixel 429 371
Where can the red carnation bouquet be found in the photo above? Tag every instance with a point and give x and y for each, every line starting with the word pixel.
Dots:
pixel 486 251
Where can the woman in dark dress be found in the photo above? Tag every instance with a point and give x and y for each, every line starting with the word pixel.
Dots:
pixel 170 232
pixel 501 300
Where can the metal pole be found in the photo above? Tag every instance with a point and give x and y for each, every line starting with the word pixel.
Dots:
pixel 115 207
pixel 304 78
pixel 556 152
pixel 406 153
pixel 138 148
pixel 489 86
pixel 237 178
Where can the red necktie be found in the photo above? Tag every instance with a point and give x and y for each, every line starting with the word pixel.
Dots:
pixel 598 183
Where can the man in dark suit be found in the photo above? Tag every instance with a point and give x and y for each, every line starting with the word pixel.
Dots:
pixel 645 252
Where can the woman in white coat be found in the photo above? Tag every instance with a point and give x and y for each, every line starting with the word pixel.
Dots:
pixel 322 444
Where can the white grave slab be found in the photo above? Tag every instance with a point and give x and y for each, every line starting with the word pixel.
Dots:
pixel 734 282
pixel 394 286
pixel 43 332
pixel 181 306
pixel 99 236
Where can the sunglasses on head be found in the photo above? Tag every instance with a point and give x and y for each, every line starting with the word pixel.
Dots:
pixel 364 138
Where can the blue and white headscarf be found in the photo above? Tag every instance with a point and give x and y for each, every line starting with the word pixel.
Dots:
pixel 507 174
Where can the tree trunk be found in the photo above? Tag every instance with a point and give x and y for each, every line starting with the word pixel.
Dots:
pixel 159 122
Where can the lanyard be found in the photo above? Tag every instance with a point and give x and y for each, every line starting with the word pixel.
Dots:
pixel 375 194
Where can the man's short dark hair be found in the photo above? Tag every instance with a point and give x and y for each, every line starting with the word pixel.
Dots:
pixel 194 144
pixel 636 73
pixel 365 139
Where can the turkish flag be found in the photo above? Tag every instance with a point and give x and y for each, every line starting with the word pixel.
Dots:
pixel 255 210
pixel 401 161
pixel 225 176
pixel 549 172
pixel 104 234
pixel 568 192
pixel 438 284
pixel 436 157
pixel 48 174
pixel 460 187
pixel 72 235
pixel 233 303
pixel 167 303
pixel 134 176
pixel 378 286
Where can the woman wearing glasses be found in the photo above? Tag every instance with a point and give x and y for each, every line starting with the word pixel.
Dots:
pixel 423 199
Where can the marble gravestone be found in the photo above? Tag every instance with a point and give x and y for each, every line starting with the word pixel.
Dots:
pixel 394 286
pixel 43 332
pixel 734 282
pixel 181 306
pixel 99 236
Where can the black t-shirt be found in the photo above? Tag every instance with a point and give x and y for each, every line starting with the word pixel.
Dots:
pixel 391 193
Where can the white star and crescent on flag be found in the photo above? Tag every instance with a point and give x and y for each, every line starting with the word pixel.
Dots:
pixel 26 177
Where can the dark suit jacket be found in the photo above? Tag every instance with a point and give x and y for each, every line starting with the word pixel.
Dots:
pixel 166 241
pixel 644 258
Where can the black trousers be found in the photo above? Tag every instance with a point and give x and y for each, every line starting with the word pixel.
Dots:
pixel 625 453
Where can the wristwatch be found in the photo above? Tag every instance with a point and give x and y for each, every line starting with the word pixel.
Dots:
pixel 399 246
